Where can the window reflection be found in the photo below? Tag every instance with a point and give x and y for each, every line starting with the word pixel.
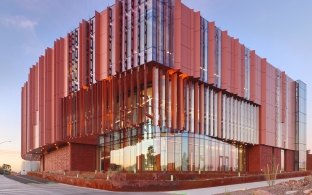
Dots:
pixel 148 149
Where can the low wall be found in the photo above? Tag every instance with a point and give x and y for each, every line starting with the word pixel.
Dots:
pixel 309 162
pixel 153 181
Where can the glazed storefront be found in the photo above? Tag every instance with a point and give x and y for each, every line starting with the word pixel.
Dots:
pixel 150 148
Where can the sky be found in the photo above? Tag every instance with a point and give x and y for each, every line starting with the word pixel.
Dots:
pixel 278 30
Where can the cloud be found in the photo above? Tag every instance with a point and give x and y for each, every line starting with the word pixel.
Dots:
pixel 20 22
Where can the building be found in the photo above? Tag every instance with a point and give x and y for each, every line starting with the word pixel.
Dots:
pixel 150 85
pixel 28 166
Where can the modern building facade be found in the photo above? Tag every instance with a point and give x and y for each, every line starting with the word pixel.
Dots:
pixel 150 85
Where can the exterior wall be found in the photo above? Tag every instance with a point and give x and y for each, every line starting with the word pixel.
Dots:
pixel 82 157
pixel 258 157
pixel 158 63
pixel 309 162
pixel 289 160
pixel 57 160
pixel 186 40
pixel 277 157
pixel 71 157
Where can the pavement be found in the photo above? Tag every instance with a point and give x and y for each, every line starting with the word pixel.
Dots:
pixel 231 188
pixel 26 185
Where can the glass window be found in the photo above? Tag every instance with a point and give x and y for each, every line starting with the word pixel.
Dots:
pixel 163 145
pixel 185 152
pixel 191 152
pixel 170 152
pixel 202 152
pixel 177 152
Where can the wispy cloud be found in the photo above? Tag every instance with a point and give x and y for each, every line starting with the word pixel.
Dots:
pixel 20 22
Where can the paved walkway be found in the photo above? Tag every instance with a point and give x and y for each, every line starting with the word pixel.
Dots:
pixel 230 188
pixel 32 186
pixel 29 186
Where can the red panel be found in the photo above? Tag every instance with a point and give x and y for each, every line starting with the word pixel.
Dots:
pixel 196 44
pixel 258 157
pixel 41 100
pixel 86 161
pixel 283 96
pixel 36 106
pixel 226 61
pixel 290 160
pixel 177 35
pixel 174 101
pixel 30 132
pixel 57 87
pixel 309 162
pixel 49 96
pixel 253 73
pixel 263 108
pixel 23 120
pixel 241 89
pixel 268 105
pixel 101 45
pixel 60 83
pixel 237 68
pixel 117 42
pixel 277 156
pixel 291 113
pixel 186 40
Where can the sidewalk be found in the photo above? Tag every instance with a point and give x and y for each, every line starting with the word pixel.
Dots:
pixel 229 188
pixel 13 187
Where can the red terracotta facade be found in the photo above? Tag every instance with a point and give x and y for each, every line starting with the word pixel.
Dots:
pixel 117 72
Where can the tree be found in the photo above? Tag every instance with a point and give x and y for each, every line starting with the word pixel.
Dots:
pixel 150 160
pixel 5 169
pixel 271 171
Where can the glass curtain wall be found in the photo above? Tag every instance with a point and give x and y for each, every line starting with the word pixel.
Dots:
pixel 147 28
pixel 301 125
pixel 147 149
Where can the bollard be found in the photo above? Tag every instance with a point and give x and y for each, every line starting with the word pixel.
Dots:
pixel 238 174
pixel 77 175
pixel 171 177
pixel 107 177
pixel 199 171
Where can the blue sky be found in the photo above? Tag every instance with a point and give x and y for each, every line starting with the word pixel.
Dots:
pixel 278 30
